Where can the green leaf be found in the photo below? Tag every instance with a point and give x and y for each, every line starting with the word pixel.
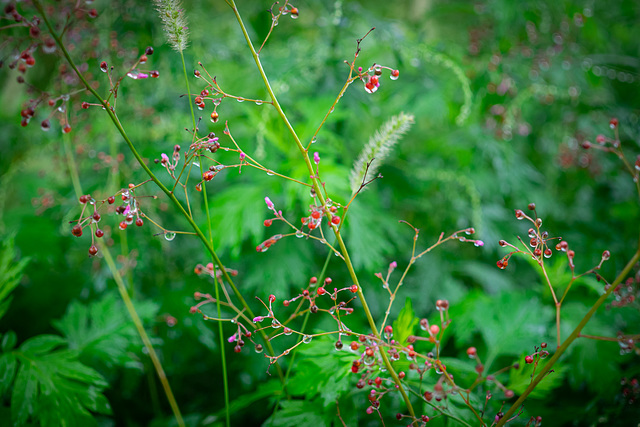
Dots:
pixel 8 364
pixel 9 341
pixel 405 323
pixel 52 387
pixel 103 330
pixel 42 344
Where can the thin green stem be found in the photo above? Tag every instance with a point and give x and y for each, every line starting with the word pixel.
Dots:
pixel 71 164
pixel 575 334
pixel 319 194
pixel 143 334
pixel 155 179
pixel 223 358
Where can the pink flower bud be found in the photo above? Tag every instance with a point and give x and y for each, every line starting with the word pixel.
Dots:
pixel 316 158
pixel 268 202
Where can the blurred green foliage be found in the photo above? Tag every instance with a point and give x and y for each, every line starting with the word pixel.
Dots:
pixel 504 93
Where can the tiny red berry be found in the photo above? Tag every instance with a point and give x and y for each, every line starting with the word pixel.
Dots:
pixel 354 288
pixel 76 230
pixel 111 200
pixel 139 222
pixel 268 222
pixel 155 74
pixel 99 233
pixel 85 105
pixel 93 250
pixel 472 352
pixel 335 220
pixel 528 359
pixel 321 291
pixel 272 298
pixel 613 123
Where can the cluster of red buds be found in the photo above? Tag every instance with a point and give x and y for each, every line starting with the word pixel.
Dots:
pixel 371 77
pixel 538 241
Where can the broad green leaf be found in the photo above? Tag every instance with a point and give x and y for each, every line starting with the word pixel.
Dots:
pixel 405 323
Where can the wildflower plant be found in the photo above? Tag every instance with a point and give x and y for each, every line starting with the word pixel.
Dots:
pixel 398 361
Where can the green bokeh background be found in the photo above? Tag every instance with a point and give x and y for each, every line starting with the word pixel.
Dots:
pixel 503 94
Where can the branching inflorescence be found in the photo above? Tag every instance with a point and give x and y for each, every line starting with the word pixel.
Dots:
pixel 377 352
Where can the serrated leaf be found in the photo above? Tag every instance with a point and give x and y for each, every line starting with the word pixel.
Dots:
pixel 53 388
pixel 405 323
pixel 103 329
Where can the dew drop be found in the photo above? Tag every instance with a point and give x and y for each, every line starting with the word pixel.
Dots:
pixel 307 339
pixel 336 253
pixel 169 235
pixel 299 234
pixel 258 102
pixel 240 99
pixel 392 77
pixel 313 140
pixel 287 331
pixel 275 324
pixel 196 164
pixel 258 348
pixel 269 172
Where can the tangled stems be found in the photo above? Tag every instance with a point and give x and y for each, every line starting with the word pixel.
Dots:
pixel 160 185
pixel 575 334
pixel 316 186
